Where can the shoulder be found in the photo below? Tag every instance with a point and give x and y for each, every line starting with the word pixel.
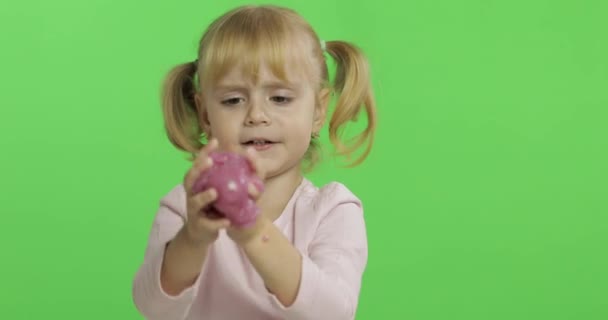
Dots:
pixel 324 199
pixel 175 200
pixel 328 216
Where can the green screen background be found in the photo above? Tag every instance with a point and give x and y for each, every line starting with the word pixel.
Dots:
pixel 486 194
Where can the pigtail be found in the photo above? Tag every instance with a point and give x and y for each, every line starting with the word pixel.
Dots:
pixel 353 85
pixel 179 108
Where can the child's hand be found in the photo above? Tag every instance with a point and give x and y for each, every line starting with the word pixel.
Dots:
pixel 203 225
pixel 243 235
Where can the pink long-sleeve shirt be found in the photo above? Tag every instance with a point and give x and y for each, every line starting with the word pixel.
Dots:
pixel 325 224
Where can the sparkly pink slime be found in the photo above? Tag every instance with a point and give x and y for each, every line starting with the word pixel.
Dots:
pixel 230 176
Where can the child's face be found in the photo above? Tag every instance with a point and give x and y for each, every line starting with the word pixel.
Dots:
pixel 240 113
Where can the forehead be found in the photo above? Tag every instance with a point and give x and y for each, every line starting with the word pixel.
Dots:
pixel 265 76
pixel 287 61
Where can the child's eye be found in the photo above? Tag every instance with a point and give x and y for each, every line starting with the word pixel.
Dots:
pixel 232 101
pixel 281 99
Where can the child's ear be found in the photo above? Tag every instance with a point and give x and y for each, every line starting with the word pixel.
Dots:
pixel 203 119
pixel 321 109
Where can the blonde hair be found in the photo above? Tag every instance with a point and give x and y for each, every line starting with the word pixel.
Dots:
pixel 248 34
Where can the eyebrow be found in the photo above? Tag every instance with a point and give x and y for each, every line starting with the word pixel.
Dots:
pixel 266 85
pixel 280 84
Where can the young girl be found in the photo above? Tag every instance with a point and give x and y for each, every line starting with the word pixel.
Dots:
pixel 260 86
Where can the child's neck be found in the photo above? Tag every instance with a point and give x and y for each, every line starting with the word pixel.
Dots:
pixel 278 190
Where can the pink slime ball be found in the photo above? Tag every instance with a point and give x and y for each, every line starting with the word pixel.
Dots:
pixel 230 176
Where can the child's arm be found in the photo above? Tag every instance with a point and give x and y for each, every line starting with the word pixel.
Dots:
pixel 149 296
pixel 166 284
pixel 182 264
pixel 325 283
pixel 277 262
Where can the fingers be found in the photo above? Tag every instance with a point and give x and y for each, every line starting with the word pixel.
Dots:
pixel 200 201
pixel 200 204
pixel 195 172
pixel 201 163
pixel 256 187
pixel 254 191
pixel 214 224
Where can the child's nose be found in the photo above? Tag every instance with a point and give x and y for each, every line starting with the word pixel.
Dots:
pixel 257 115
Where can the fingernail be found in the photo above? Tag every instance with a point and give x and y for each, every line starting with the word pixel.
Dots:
pixel 209 161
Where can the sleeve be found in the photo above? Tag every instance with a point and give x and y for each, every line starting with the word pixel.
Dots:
pixel 332 272
pixel 148 296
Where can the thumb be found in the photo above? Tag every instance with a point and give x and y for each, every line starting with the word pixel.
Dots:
pixel 217 224
pixel 255 189
pixel 254 161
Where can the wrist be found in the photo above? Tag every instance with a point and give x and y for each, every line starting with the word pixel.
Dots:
pixel 192 241
pixel 258 234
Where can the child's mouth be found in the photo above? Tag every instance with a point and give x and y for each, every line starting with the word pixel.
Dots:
pixel 259 144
